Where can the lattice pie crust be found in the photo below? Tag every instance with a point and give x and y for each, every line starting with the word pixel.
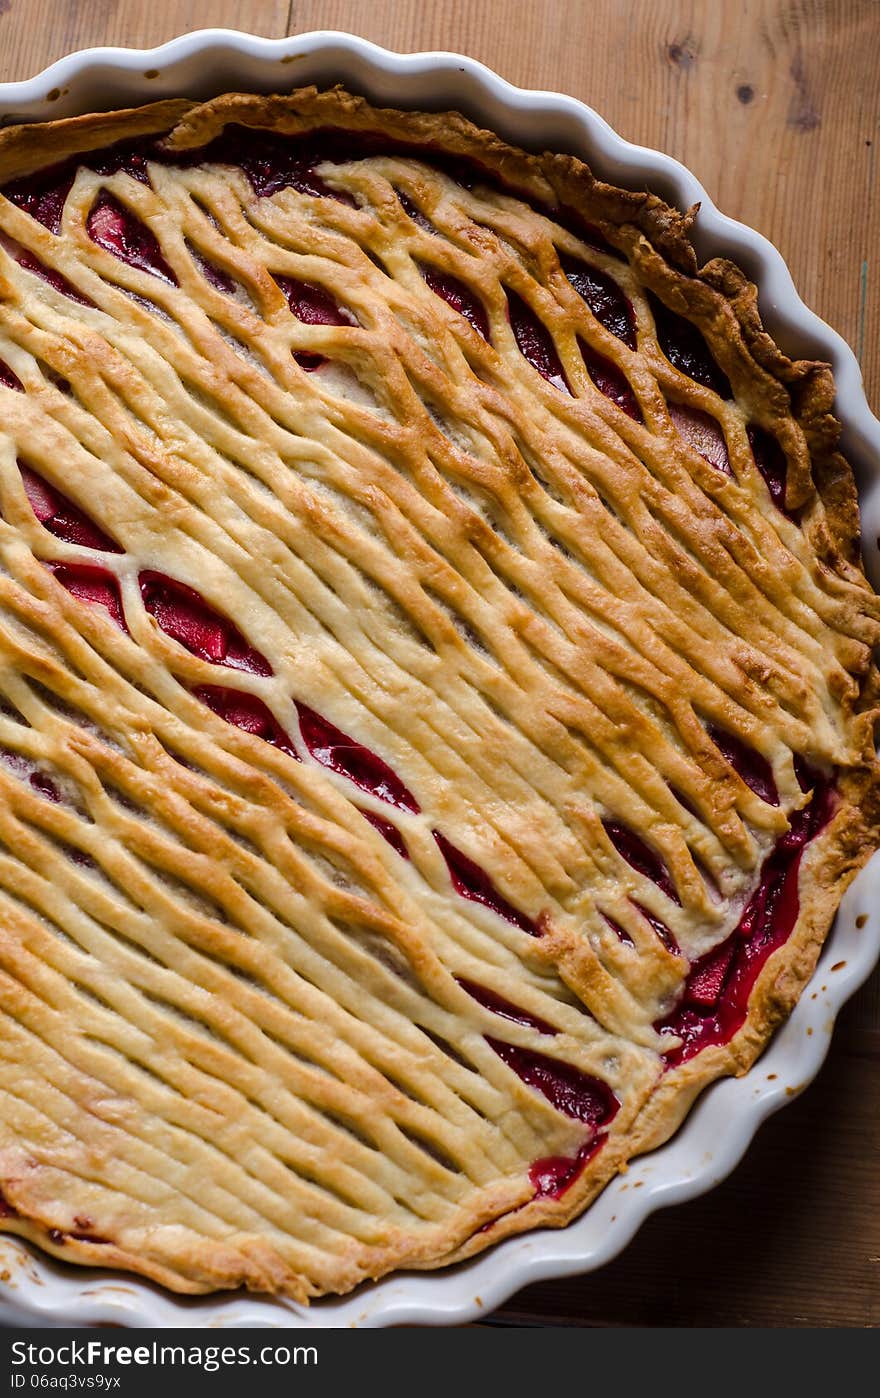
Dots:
pixel 437 702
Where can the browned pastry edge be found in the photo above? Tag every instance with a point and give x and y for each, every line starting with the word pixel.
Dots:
pixel 792 399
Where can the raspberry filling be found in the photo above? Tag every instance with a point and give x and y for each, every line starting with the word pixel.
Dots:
pixel 754 769
pixel 30 263
pixel 770 461
pixel 661 929
pixel 458 296
pixel 389 831
pixel 61 517
pixel 334 749
pixel 640 856
pixel 247 712
pixel 88 583
pixel 313 306
pixel 9 378
pixel 609 305
pixel 116 229
pixel 414 212
pixel 44 194
pixel 576 1095
pixel 716 994
pixel 686 349
pixel 535 342
pixel 272 163
pixel 23 768
pixel 620 932
pixel 214 275
pixel 473 883
pixel 184 615
pixel 45 786
pixel 499 1006
pixel 553 1175
pixel 702 432
pixel 610 380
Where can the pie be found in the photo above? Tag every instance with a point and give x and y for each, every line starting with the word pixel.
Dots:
pixel 437 691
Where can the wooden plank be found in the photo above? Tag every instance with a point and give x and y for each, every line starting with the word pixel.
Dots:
pixel 33 33
pixel 775 105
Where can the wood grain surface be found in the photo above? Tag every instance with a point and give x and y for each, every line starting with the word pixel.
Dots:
pixel 775 105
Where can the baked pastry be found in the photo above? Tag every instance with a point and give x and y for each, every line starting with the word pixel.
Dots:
pixel 438 703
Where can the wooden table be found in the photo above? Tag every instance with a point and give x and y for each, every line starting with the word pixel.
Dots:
pixel 775 105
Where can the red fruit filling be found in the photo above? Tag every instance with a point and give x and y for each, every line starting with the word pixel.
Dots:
pixel 708 976
pixel 770 461
pixel 247 712
pixel 77 856
pixel 94 585
pixel 214 275
pixel 685 347
pixel 388 831
pixel 473 883
pixel 553 1175
pixel 701 432
pixel 45 786
pixel 566 1088
pixel 272 163
pixel 55 279
pixel 117 230
pixel 313 306
pixel 499 1006
pixel 458 296
pixel 640 856
pixel 43 195
pixel 535 342
pixel 620 932
pixel 61 517
pixel 605 299
pixel 415 213
pixel 9 378
pixel 716 994
pixel 28 771
pixel 754 769
pixel 185 616
pixel 334 749
pixel 610 381
pixel 572 1092
pixel 661 929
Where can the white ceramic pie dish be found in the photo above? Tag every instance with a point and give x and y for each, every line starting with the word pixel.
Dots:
pixel 717 1132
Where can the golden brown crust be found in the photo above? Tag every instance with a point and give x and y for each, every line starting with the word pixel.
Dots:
pixel 811 688
pixel 24 149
